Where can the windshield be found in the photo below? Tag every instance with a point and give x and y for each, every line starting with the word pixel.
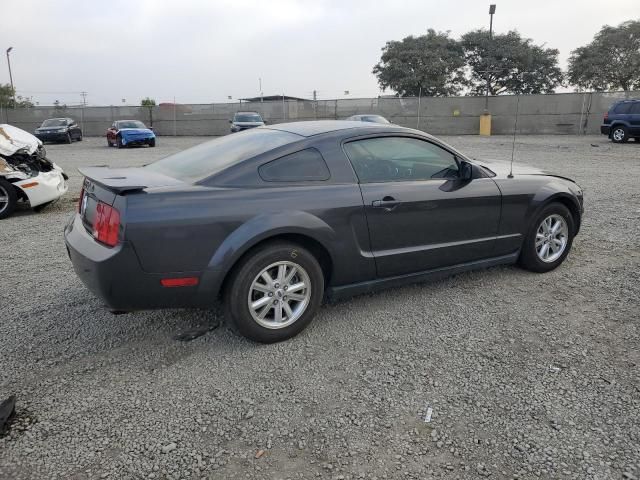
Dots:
pixel 212 157
pixel 55 122
pixel 247 117
pixel 130 124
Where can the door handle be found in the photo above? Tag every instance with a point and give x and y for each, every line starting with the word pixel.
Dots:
pixel 388 203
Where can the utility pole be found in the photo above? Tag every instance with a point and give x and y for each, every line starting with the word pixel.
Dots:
pixel 492 10
pixel 315 104
pixel 11 77
pixel 84 98
pixel 261 94
pixel 485 118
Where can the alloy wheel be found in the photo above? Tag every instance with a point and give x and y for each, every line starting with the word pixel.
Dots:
pixel 551 238
pixel 279 295
pixel 4 199
pixel 618 134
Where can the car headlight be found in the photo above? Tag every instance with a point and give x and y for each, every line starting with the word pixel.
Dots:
pixel 62 130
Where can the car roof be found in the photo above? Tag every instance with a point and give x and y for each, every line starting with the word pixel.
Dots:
pixel 244 113
pixel 317 127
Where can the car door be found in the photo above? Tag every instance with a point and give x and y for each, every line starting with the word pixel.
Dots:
pixel 634 119
pixel 111 132
pixel 421 215
pixel 74 129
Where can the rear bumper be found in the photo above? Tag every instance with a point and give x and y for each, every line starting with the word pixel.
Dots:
pixel 605 129
pixel 115 276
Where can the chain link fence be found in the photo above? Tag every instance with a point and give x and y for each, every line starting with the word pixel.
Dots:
pixel 568 113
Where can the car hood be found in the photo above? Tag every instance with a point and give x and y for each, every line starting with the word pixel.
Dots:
pixel 502 169
pixel 49 129
pixel 135 130
pixel 13 139
pixel 248 124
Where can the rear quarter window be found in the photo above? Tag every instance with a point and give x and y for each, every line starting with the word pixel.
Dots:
pixel 210 158
pixel 623 108
pixel 303 166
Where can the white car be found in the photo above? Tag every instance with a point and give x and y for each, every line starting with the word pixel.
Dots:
pixel 26 173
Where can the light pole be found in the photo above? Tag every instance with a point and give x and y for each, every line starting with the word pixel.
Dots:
pixel 492 10
pixel 11 76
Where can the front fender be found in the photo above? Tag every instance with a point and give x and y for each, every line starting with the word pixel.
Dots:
pixel 556 190
pixel 263 227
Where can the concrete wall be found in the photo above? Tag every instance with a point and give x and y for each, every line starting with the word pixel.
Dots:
pixel 568 113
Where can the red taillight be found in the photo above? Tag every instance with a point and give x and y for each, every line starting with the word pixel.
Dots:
pixel 106 224
pixel 179 282
pixel 80 200
pixel 606 115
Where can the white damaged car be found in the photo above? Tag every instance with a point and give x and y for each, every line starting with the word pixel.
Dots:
pixel 25 172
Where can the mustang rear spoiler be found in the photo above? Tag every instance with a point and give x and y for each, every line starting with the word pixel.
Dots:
pixel 122 180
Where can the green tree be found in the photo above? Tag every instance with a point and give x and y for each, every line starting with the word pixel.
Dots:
pixel 512 63
pixel 611 61
pixel 431 63
pixel 149 103
pixel 7 96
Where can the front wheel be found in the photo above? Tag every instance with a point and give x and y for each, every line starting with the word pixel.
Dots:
pixel 8 199
pixel 119 142
pixel 68 139
pixel 274 293
pixel 152 142
pixel 619 134
pixel 549 239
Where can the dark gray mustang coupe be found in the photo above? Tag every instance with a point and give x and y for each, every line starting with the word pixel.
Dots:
pixel 274 218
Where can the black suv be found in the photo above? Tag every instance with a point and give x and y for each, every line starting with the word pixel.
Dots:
pixel 622 121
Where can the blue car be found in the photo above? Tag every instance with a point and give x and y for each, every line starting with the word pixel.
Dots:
pixel 125 133
pixel 622 121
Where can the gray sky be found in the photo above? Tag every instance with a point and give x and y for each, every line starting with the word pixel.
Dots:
pixel 204 50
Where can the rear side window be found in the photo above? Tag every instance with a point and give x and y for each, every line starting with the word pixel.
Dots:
pixel 209 158
pixel 623 108
pixel 303 166
pixel 635 108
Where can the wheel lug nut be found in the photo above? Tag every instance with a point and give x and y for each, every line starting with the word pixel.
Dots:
pixel 275 302
pixel 286 286
pixel 271 294
pixel 277 285
pixel 284 298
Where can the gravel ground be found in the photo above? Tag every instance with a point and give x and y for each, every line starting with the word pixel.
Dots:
pixel 526 375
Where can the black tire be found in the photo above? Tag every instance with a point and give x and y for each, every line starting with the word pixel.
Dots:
pixel 79 137
pixel 7 190
pixel 529 258
pixel 238 288
pixel 68 139
pixel 152 142
pixel 109 143
pixel 119 142
pixel 619 134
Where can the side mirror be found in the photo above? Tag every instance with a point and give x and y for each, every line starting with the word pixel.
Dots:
pixel 264 121
pixel 466 171
pixel 230 121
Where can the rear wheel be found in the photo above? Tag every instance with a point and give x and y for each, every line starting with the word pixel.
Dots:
pixel 119 142
pixel 549 239
pixel 619 134
pixel 68 139
pixel 79 137
pixel 8 199
pixel 274 293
